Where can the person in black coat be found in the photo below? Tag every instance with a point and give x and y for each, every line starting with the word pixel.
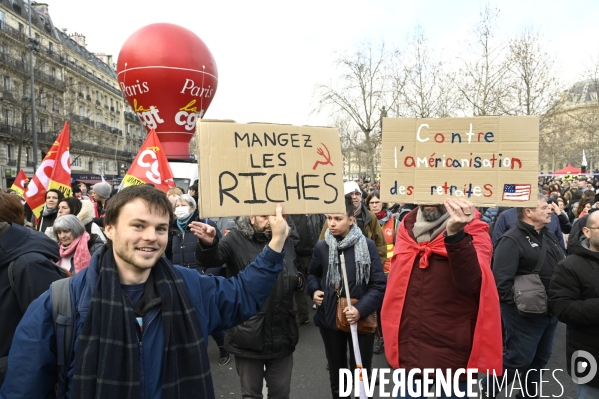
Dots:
pixel 574 299
pixel 263 345
pixel 34 255
pixel 50 210
pixel 366 282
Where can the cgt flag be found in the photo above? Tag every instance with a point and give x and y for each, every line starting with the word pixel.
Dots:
pixel 19 183
pixel 53 173
pixel 150 166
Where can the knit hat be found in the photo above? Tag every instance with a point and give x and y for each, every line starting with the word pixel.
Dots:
pixel 102 189
pixel 350 187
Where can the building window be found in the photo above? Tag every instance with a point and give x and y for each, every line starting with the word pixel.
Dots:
pixel 81 112
pixel 99 119
pixel 56 127
pixel 7 115
pixel 42 98
pixel 88 92
pixel 76 161
pixel 21 27
pixel 54 104
pixel 42 126
pixel 89 114
pixel 10 152
pixel 1 19
pixel 53 72
pixel 111 103
pixel 28 155
pixel 97 95
pixel 50 47
pixel 6 83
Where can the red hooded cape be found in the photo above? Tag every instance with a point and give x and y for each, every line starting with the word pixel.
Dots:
pixel 487 347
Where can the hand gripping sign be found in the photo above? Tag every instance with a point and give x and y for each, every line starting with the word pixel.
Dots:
pixel 169 77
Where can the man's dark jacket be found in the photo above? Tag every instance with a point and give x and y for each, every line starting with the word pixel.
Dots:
pixel 308 228
pixel 574 299
pixel 33 274
pixel 507 219
pixel 518 252
pixel 273 332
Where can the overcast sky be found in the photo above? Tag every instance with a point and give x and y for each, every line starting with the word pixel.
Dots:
pixel 270 54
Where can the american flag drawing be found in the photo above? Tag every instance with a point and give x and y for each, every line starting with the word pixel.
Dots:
pixel 516 192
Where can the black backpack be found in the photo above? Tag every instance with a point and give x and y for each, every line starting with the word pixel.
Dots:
pixel 62 314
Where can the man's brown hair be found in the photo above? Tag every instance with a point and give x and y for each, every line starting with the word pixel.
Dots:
pixel 154 199
pixel 11 209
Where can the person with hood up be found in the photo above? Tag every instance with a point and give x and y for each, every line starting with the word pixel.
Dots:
pixel 34 256
pixel 86 216
pixel 574 299
pixel 49 212
pixel 263 346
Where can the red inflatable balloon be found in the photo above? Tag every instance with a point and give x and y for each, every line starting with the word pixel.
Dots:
pixel 169 77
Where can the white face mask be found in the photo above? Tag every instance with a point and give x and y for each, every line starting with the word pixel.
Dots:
pixel 182 212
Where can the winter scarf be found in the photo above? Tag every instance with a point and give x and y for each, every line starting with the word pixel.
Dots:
pixel 382 214
pixel 49 211
pixel 425 230
pixel 79 246
pixel 182 224
pixel 107 359
pixel 355 239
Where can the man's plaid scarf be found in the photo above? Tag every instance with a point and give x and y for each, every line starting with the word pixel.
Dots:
pixel 107 357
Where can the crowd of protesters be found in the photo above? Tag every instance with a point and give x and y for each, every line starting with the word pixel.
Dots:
pixel 439 281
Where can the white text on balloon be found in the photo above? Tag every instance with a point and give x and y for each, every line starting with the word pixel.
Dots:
pixel 196 91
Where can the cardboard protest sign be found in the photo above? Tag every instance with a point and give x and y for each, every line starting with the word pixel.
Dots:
pixel 246 169
pixel 489 160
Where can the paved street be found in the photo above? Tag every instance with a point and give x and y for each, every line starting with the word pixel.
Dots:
pixel 311 380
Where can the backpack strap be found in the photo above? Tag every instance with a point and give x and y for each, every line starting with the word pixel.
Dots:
pixel 11 276
pixel 62 314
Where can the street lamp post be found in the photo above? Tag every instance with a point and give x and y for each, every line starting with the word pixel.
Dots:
pixel 32 44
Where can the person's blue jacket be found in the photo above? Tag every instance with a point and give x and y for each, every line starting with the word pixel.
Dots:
pixel 221 304
pixel 508 219
pixel 490 215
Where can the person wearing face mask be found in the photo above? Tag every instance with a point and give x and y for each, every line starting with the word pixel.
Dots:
pixel 49 212
pixel 182 244
pixel 181 251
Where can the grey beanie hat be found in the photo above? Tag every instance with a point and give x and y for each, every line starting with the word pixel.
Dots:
pixel 102 189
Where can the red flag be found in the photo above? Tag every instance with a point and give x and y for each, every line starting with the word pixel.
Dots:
pixel 150 166
pixel 54 172
pixel 19 183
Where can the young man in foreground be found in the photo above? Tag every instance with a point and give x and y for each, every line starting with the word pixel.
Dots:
pixel 140 324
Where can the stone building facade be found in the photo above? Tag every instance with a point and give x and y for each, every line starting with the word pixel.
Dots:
pixel 71 84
